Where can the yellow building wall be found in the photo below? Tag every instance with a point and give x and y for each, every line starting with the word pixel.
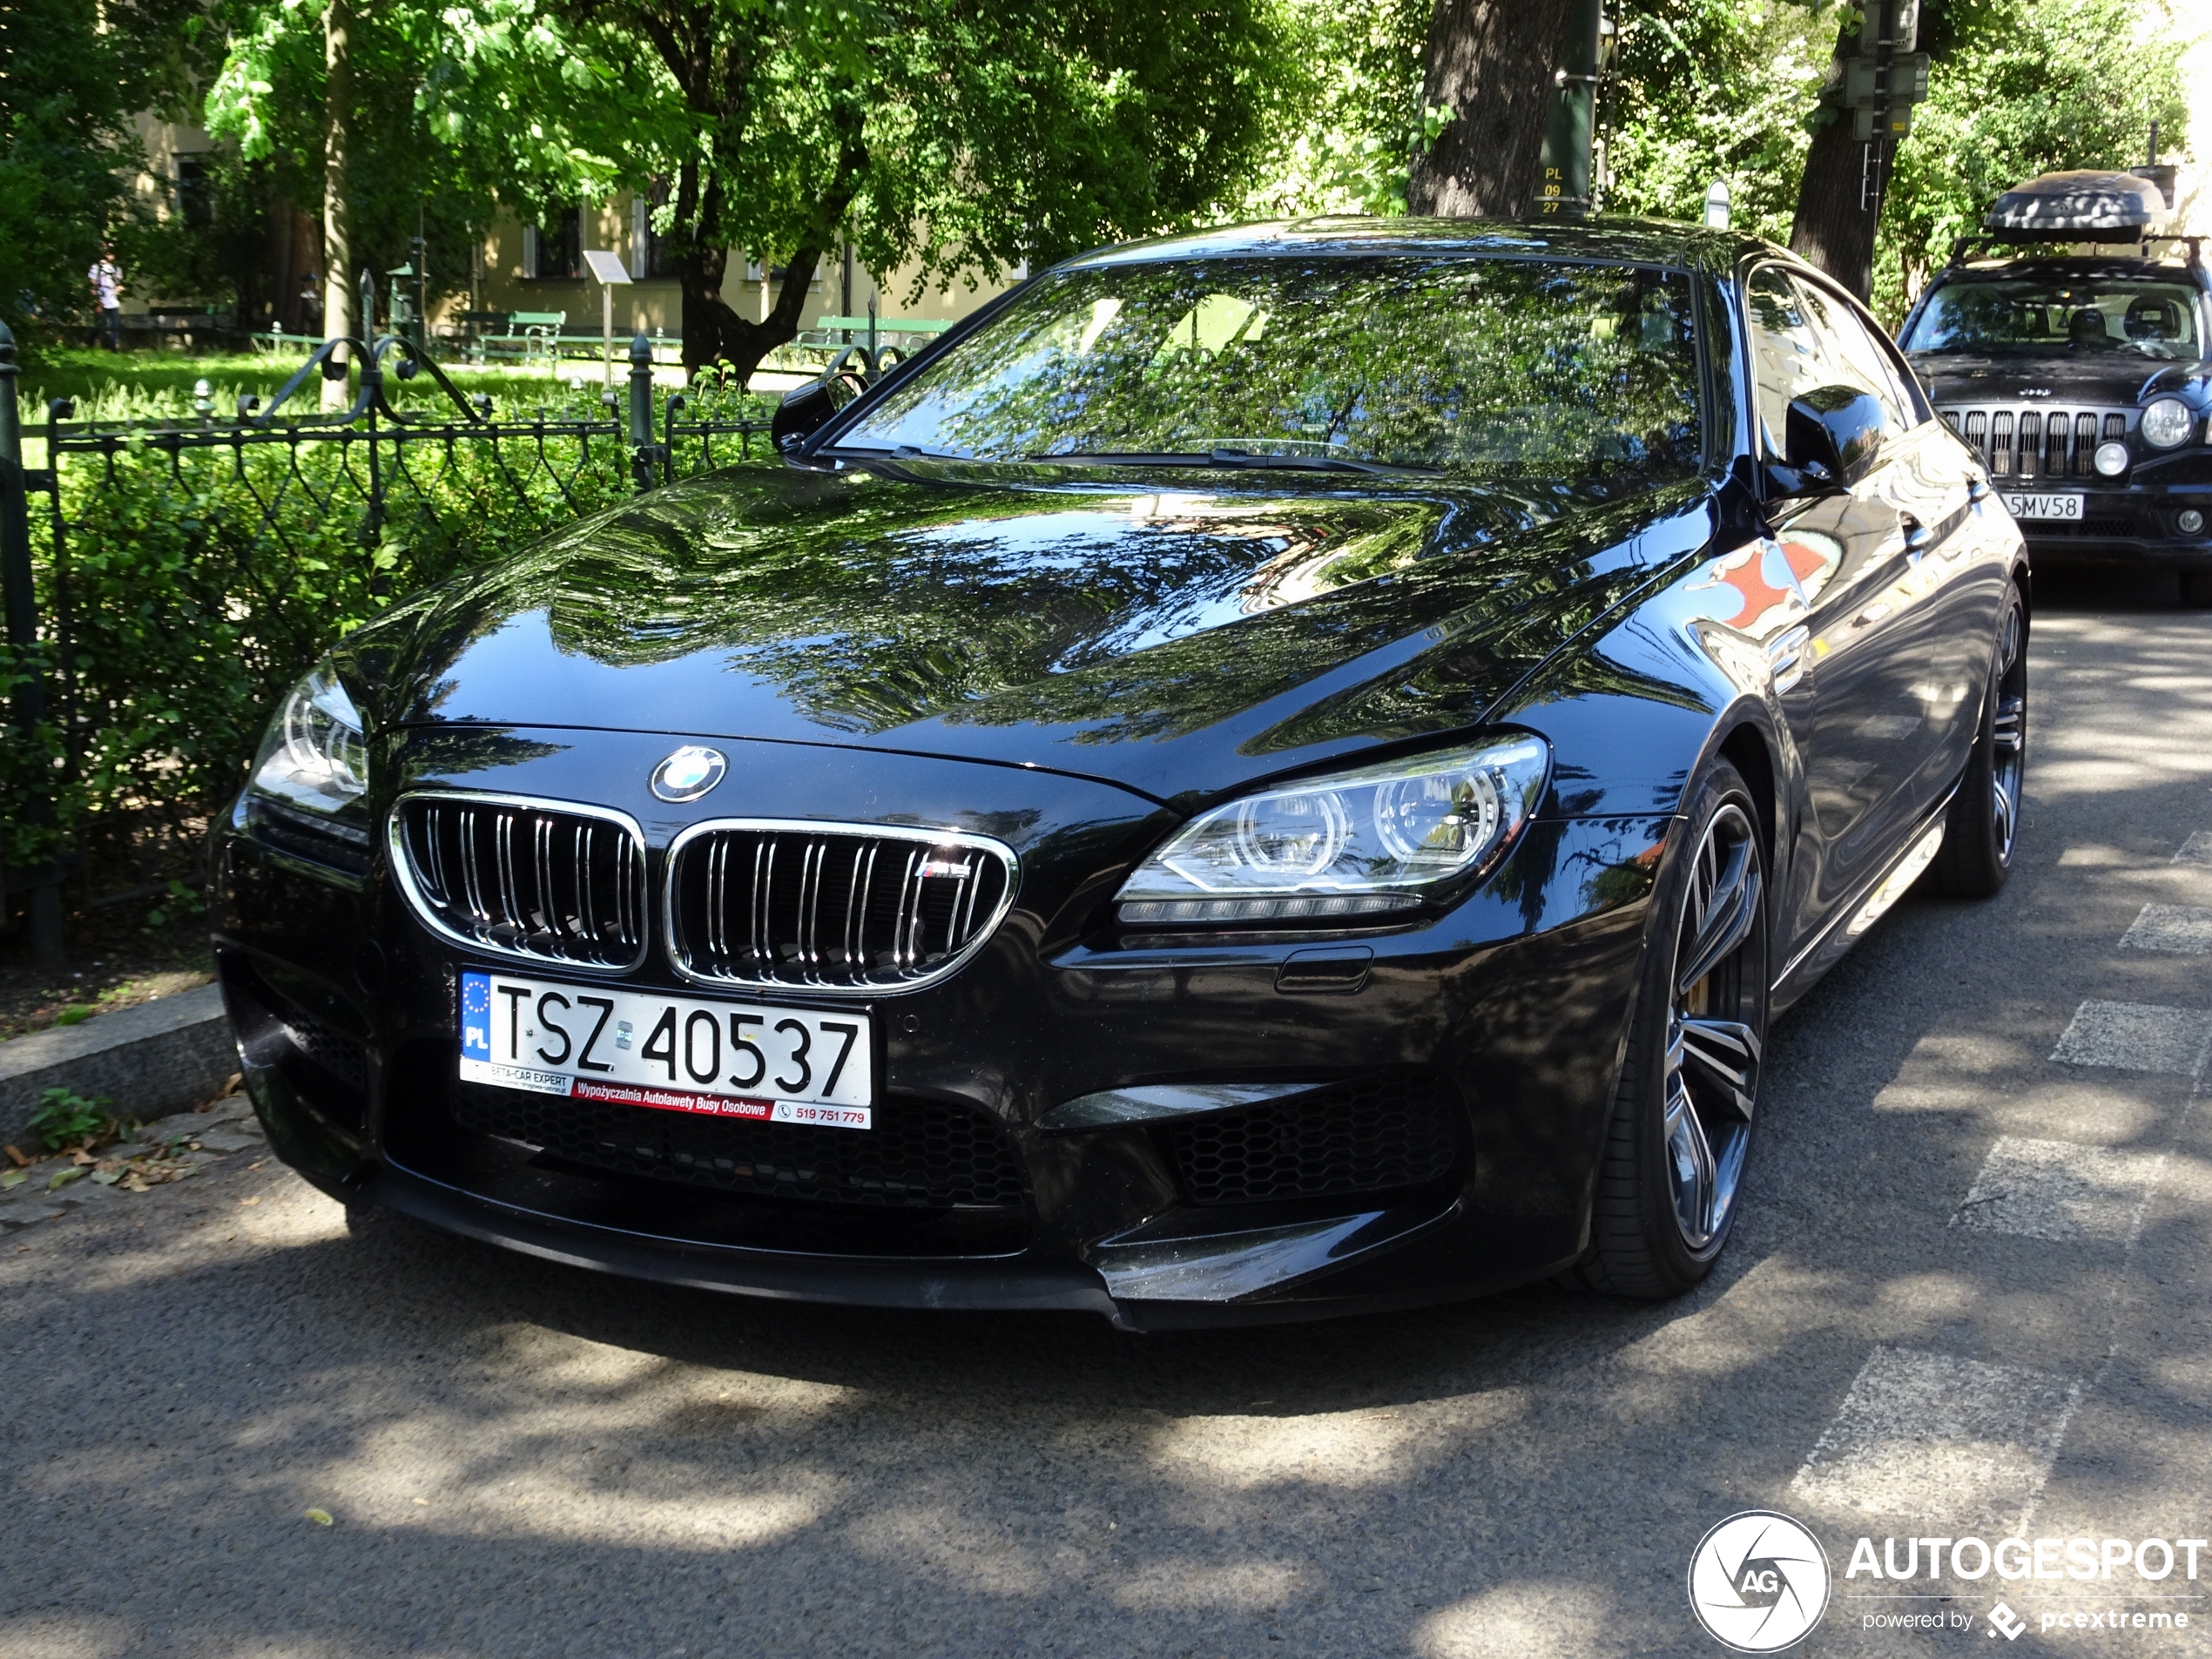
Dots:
pixel 658 304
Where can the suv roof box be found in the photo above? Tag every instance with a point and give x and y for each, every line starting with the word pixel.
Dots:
pixel 2079 206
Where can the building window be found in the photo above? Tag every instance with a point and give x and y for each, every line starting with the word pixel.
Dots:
pixel 555 248
pixel 651 257
pixel 195 192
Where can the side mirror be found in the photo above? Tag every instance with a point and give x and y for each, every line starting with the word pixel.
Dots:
pixel 1834 435
pixel 807 409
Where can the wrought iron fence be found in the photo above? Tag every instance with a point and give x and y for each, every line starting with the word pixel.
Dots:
pixel 190 566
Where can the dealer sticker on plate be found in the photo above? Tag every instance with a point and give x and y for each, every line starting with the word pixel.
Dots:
pixel 673 1054
pixel 2026 506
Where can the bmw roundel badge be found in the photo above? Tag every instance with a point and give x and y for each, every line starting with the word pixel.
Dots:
pixel 688 773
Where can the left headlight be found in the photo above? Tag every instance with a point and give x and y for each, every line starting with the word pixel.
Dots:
pixel 1351 845
pixel 312 756
pixel 2166 422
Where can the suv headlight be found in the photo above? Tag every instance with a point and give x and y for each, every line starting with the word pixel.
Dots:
pixel 2166 422
pixel 1348 845
pixel 312 758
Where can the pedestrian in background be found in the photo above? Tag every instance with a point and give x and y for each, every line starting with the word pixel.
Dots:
pixel 105 279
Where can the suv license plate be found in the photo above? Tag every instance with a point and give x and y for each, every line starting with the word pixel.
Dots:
pixel 673 1054
pixel 2066 506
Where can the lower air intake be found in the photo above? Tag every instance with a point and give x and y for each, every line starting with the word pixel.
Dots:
pixel 921 1154
pixel 1374 1136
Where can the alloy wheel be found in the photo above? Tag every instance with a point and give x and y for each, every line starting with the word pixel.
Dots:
pixel 1715 1027
pixel 2008 735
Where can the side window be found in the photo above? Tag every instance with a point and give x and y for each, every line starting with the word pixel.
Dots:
pixel 1856 358
pixel 1787 353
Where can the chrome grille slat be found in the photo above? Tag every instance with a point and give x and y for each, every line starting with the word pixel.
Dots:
pixel 541 880
pixel 2029 443
pixel 773 902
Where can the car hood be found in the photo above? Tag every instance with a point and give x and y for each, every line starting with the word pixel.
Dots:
pixel 1179 635
pixel 2111 377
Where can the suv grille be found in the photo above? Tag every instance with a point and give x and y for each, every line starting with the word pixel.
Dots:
pixel 1365 1137
pixel 2036 443
pixel 545 883
pixel 922 1153
pixel 832 906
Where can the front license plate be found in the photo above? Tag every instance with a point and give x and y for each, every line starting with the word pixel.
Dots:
pixel 672 1054
pixel 2068 507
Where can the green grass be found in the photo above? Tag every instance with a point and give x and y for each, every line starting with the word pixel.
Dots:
pixel 157 385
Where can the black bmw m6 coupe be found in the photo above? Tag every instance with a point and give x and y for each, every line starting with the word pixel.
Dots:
pixel 1272 772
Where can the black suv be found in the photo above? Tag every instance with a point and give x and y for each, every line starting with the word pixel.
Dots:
pixel 2083 382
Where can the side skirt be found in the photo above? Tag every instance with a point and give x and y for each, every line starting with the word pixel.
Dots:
pixel 1867 907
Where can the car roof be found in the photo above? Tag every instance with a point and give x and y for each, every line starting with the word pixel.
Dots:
pixel 1654 241
pixel 2076 268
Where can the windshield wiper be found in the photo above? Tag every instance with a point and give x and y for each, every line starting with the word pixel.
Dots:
pixel 1233 458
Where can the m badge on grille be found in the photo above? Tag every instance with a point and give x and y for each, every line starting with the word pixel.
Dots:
pixel 688 773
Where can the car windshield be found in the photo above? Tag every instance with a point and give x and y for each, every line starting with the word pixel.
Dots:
pixel 1577 374
pixel 2043 315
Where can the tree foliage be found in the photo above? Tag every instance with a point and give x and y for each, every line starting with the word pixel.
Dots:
pixel 72 73
pixel 924 133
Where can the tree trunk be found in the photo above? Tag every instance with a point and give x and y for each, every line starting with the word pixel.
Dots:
pixel 337 218
pixel 1831 230
pixel 1491 62
pixel 713 330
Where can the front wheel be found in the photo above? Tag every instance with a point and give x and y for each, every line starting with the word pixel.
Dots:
pixel 1983 829
pixel 1681 1118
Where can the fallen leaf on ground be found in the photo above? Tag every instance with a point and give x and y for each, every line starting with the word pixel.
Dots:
pixel 62 1178
pixel 248 1203
pixel 104 1178
pixel 135 1183
pixel 12 1178
pixel 16 1157
pixel 321 1517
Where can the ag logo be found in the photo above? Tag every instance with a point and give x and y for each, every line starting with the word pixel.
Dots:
pixel 1758 1581
pixel 688 773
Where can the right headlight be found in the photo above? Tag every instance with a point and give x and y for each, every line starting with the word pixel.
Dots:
pixel 2166 422
pixel 312 758
pixel 1350 845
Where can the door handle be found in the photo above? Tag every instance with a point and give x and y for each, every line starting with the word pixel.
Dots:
pixel 1785 658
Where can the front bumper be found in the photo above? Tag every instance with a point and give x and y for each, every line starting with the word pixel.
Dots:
pixel 2136 526
pixel 1504 1016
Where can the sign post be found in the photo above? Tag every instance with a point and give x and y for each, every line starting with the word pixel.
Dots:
pixel 610 273
pixel 1568 184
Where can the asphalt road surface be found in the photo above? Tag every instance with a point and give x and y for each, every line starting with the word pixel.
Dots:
pixel 1966 1297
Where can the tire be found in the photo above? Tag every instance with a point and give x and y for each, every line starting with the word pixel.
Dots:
pixel 1674 1148
pixel 1982 832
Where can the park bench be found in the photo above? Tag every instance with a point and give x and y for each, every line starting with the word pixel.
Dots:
pixel 887 340
pixel 528 333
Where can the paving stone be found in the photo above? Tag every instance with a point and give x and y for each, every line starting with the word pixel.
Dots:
pixel 2057 1189
pixel 2196 849
pixel 234 1137
pixel 1937 1438
pixel 2177 929
pixel 190 1126
pixel 2135 1036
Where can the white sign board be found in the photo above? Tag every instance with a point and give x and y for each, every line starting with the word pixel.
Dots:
pixel 606 266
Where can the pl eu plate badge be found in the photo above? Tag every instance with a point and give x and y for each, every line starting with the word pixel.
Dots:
pixel 476 1016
